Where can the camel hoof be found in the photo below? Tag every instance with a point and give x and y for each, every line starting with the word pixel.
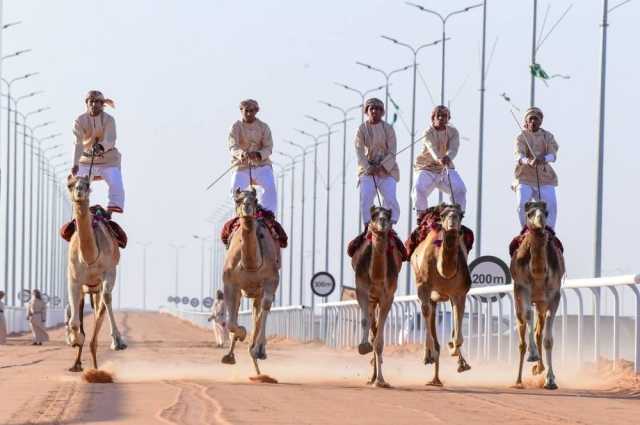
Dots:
pixel 453 350
pixel 430 358
pixel 241 333
pixel 463 367
pixel 435 382
pixel 259 353
pixel 365 348
pixel 537 369
pixel 263 379
pixel 533 357
pixel 550 385
pixel 229 359
pixel 381 384
pixel 75 368
pixel 518 386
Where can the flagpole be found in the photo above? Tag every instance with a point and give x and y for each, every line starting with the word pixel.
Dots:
pixel 532 99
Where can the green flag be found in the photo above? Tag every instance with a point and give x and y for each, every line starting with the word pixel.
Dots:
pixel 395 113
pixel 537 71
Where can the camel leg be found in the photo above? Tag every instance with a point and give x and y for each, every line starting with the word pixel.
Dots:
pixel 258 348
pixel 522 308
pixel 373 333
pixel 362 295
pixel 378 342
pixel 232 298
pixel 77 365
pixel 534 354
pixel 426 307
pixel 550 380
pixel 117 342
pixel 99 310
pixel 457 307
pixel 73 335
pixel 436 345
pixel 541 309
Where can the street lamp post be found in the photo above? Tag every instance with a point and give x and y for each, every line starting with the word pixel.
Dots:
pixel 387 76
pixel 344 112
pixel 293 179
pixel 302 215
pixel 144 246
pixel 177 264
pixel 203 240
pixel 414 51
pixel 444 20
pixel 481 135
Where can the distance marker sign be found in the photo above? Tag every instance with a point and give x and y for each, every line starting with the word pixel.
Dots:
pixel 488 270
pixel 323 284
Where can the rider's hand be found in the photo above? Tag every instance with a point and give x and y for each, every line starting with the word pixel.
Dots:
pixel 255 156
pixel 445 161
pixel 98 149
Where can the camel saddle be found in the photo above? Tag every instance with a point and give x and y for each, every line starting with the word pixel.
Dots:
pixel 430 222
pixel 394 242
pixel 266 217
pixel 515 243
pixel 100 215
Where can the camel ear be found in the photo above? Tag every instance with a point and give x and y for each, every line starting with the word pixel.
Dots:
pixel 374 211
pixel 253 190
pixel 236 193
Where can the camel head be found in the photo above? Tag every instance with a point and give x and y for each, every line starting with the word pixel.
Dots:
pixel 79 188
pixel 380 220
pixel 536 212
pixel 451 217
pixel 246 202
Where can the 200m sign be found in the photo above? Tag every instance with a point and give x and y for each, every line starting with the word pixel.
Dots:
pixel 489 270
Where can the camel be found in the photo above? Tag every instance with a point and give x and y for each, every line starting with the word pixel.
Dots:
pixel 93 257
pixel 377 270
pixel 251 267
pixel 442 273
pixel 537 267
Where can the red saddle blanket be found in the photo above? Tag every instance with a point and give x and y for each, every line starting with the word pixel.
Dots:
pixel 267 218
pixel 99 215
pixel 394 242
pixel 431 222
pixel 515 242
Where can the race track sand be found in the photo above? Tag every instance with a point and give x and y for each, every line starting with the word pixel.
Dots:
pixel 171 374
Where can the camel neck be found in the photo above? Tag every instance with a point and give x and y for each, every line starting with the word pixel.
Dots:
pixel 379 258
pixel 538 262
pixel 448 254
pixel 250 248
pixel 84 227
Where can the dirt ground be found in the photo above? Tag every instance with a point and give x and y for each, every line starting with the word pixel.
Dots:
pixel 171 374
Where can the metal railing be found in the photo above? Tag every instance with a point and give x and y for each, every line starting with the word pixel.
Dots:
pixel 16 318
pixel 581 330
pixel 489 325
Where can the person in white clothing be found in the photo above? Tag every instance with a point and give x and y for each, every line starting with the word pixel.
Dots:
pixel 377 168
pixel 434 167
pixel 95 133
pixel 37 317
pixel 535 150
pixel 219 317
pixel 250 144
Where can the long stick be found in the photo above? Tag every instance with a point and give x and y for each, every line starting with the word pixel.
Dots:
pixel 221 176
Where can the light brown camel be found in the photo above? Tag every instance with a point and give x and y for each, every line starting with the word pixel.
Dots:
pixel 377 264
pixel 251 267
pixel 442 273
pixel 537 267
pixel 92 260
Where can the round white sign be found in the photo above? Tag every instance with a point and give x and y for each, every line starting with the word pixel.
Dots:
pixel 323 284
pixel 185 300
pixel 195 302
pixel 488 270
pixel 207 302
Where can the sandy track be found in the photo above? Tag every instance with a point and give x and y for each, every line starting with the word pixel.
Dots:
pixel 171 374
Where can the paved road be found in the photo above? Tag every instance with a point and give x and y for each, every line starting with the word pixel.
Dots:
pixel 171 374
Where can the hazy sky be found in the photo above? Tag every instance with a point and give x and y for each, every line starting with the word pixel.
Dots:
pixel 177 70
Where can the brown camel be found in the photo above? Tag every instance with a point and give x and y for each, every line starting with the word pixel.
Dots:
pixel 93 257
pixel 442 273
pixel 251 265
pixel 377 264
pixel 537 267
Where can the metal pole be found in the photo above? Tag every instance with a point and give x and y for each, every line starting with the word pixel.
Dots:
pixel 328 177
pixel 31 208
pixel 315 197
pixel 444 41
pixel 481 135
pixel 24 207
pixel 532 99
pixel 344 182
pixel 15 198
pixel 201 272
pixel 293 180
pixel 302 214
pixel 11 298
pixel 38 256
pixel 144 277
pixel 600 171
pixel 411 157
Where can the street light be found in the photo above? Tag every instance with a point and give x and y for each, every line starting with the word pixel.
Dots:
pixel 17 53
pixel 443 19
pixel 414 51
pixel 362 94
pixel 10 24
pixel 344 112
pixel 203 240
pixel 387 76
pixel 293 179
pixel 177 265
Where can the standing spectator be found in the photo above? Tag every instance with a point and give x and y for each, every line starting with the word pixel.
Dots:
pixel 37 316
pixel 219 317
pixel 3 324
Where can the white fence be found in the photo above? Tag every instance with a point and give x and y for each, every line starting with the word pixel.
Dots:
pixel 16 318
pixel 581 331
